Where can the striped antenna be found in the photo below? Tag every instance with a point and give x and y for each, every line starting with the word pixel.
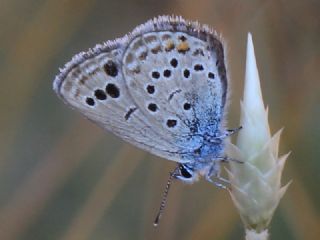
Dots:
pixel 165 195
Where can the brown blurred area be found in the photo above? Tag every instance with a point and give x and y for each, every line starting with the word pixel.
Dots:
pixel 61 177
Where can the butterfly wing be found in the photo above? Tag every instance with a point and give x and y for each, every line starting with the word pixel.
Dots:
pixel 94 85
pixel 162 87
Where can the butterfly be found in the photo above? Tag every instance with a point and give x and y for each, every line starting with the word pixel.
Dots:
pixel 163 88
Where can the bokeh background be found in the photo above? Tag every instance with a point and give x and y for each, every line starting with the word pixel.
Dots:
pixel 61 177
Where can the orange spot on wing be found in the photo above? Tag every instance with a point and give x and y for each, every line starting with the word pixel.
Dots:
pixel 169 45
pixel 183 46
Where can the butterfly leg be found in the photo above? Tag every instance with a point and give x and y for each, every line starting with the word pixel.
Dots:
pixel 216 183
pixel 229 132
pixel 228 159
pixel 213 176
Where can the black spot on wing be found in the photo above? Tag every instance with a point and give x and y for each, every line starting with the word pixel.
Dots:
pixel 130 112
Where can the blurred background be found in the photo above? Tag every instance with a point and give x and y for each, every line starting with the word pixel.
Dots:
pixel 61 177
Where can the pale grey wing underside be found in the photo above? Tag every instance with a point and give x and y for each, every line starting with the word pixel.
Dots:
pixel 118 112
pixel 134 88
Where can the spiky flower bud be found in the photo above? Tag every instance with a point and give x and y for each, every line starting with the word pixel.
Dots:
pixel 256 184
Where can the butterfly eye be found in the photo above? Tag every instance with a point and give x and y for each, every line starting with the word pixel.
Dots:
pixel 185 171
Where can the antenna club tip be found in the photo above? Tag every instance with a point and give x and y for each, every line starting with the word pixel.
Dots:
pixel 156 221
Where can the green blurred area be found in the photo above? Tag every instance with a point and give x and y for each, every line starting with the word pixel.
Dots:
pixel 61 177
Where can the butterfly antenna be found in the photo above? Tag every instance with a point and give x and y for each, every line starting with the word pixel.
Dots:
pixel 164 198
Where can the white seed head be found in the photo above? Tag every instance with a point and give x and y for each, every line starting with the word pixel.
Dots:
pixel 256 184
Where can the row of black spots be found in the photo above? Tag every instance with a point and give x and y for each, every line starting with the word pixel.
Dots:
pixel 186 73
pixel 111 89
pixel 166 72
pixel 99 94
pixel 156 75
pixel 198 67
